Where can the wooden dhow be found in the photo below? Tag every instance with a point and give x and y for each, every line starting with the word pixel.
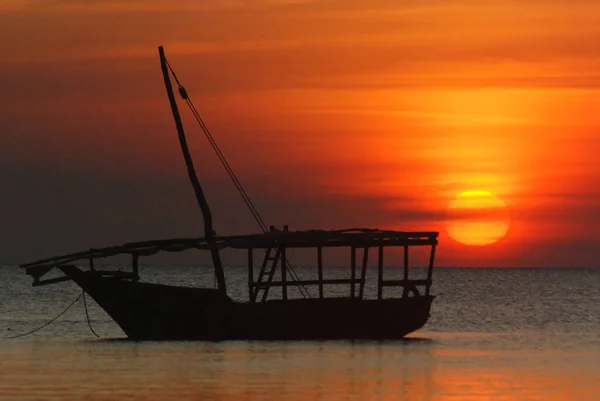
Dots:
pixel 149 311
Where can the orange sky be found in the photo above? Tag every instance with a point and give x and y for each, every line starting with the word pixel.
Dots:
pixel 333 114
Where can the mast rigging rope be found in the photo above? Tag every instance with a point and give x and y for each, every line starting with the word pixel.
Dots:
pixel 184 95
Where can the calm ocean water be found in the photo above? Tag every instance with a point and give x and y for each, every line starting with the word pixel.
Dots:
pixel 494 334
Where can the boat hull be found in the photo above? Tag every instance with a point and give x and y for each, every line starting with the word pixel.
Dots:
pixel 147 311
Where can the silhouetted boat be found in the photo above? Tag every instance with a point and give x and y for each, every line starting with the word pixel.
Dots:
pixel 147 311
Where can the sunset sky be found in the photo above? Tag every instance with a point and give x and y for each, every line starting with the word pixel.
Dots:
pixel 333 114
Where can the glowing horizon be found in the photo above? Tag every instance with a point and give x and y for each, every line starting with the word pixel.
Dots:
pixel 331 113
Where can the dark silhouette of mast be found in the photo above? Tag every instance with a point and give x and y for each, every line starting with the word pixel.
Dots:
pixel 202 203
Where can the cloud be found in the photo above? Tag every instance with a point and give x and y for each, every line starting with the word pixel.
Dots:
pixel 327 109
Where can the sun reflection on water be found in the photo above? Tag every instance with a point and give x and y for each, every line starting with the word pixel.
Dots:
pixel 417 369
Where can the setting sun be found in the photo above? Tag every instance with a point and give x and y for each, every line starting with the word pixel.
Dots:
pixel 477 217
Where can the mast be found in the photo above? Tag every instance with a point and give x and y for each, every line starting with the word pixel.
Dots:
pixel 202 203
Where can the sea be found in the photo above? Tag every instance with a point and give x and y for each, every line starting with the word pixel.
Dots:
pixel 494 334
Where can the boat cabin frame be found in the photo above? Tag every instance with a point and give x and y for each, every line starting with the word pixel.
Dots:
pixel 275 244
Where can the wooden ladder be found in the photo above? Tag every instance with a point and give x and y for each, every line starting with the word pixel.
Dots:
pixel 266 269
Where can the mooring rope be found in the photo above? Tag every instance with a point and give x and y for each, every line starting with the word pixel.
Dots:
pixel 87 315
pixel 48 322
